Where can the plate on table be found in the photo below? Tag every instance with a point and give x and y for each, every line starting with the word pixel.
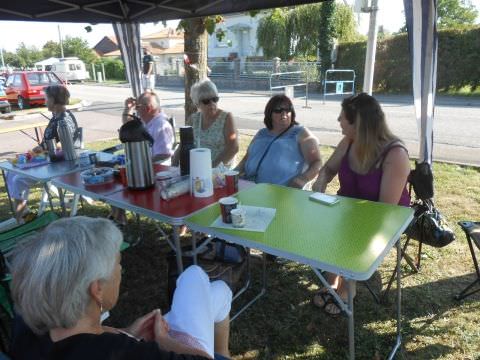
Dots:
pixel 257 219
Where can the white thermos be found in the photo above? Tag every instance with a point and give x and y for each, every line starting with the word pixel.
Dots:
pixel 66 138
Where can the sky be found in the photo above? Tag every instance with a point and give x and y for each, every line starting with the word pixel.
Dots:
pixel 37 34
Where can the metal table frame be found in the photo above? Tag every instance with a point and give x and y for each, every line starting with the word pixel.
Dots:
pixel 266 195
pixel 42 174
pixel 116 198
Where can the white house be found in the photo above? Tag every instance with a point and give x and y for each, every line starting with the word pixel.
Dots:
pixel 240 40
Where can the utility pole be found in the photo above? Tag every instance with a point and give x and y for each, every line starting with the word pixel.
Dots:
pixel 371 47
pixel 61 43
pixel 1 56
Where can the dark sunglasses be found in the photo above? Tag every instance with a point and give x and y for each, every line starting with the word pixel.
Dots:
pixel 280 110
pixel 208 101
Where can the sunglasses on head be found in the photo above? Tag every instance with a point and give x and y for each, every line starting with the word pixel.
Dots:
pixel 209 100
pixel 280 110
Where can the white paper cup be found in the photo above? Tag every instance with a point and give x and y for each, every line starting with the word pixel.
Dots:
pixel 239 217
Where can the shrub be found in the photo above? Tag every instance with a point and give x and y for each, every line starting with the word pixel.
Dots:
pixel 458 59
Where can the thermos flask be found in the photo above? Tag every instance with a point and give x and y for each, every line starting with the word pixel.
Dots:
pixel 66 138
pixel 186 144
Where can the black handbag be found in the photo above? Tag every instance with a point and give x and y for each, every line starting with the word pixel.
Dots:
pixel 429 226
pixel 421 178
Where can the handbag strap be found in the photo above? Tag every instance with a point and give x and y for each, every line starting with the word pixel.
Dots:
pixel 268 148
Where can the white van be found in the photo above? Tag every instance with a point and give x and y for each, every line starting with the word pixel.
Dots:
pixel 70 69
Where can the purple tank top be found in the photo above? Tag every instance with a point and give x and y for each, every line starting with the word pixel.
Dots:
pixel 366 186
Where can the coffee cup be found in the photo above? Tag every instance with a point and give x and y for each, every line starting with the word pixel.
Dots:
pixel 239 217
pixel 227 204
pixel 231 181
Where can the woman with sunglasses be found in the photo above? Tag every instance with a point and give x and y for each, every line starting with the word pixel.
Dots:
pixel 371 164
pixel 213 128
pixel 283 153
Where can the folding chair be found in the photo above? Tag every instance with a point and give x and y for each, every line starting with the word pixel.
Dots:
pixel 472 232
pixel 8 240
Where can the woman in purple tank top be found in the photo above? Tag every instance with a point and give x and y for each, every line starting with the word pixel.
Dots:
pixel 371 164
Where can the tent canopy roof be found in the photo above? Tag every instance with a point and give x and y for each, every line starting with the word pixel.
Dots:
pixel 107 11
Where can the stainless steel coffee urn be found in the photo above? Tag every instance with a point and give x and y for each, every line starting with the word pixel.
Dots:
pixel 138 165
pixel 138 154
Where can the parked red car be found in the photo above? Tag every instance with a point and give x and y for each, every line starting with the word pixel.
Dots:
pixel 25 88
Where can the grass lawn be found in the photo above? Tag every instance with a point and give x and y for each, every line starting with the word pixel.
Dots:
pixel 285 325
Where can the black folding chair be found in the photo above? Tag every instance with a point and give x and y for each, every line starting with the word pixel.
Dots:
pixel 472 232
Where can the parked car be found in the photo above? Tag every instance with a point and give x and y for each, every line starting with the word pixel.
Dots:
pixel 25 88
pixel 4 104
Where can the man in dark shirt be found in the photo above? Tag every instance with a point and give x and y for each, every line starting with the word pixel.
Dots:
pixel 148 75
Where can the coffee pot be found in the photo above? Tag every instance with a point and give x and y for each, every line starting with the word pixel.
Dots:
pixel 138 155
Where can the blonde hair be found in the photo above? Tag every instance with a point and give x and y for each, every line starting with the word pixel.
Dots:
pixel 372 132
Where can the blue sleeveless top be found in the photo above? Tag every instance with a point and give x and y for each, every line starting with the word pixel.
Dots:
pixel 283 162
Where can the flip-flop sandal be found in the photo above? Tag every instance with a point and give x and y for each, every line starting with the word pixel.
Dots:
pixel 331 308
pixel 321 299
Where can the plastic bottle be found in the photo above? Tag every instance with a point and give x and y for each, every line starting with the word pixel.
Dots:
pixel 66 138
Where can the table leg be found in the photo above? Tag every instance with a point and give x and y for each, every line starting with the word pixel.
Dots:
pixel 8 193
pixel 351 322
pixel 194 247
pixel 37 135
pixel 178 247
pixel 262 291
pixel 398 341
pixel 61 195
pixel 45 186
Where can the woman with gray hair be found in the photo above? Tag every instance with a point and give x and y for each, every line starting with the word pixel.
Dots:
pixel 213 128
pixel 68 277
pixel 57 98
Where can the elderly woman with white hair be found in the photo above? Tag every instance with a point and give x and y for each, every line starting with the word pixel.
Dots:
pixel 213 128
pixel 64 280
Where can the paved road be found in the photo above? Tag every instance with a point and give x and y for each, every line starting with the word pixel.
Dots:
pixel 456 127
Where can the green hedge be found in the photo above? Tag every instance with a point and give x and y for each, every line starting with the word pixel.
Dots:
pixel 458 61
pixel 114 68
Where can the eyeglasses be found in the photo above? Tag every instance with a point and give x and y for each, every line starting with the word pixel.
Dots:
pixel 280 110
pixel 209 100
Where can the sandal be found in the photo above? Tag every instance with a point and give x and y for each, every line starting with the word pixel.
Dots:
pixel 332 308
pixel 321 298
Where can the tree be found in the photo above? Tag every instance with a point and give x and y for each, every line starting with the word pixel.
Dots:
pixel 326 34
pixel 76 46
pixel 452 14
pixel 11 59
pixel 455 13
pixel 51 49
pixel 27 56
pixel 345 24
pixel 272 34
pixel 299 31
pixel 196 49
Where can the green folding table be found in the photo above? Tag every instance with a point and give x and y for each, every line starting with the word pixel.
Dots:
pixel 350 238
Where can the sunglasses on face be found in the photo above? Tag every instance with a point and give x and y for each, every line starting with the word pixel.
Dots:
pixel 209 100
pixel 280 110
